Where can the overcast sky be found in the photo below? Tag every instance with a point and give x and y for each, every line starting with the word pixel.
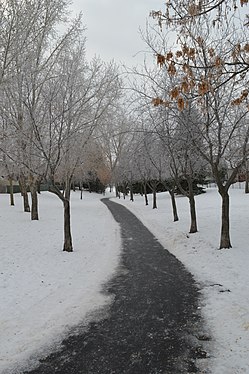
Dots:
pixel 113 27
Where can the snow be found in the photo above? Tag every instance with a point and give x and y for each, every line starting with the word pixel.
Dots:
pixel 222 274
pixel 45 292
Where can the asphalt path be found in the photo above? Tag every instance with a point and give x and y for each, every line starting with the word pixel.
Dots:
pixel 153 323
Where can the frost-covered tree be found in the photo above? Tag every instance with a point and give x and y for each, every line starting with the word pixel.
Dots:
pixel 208 68
pixel 54 99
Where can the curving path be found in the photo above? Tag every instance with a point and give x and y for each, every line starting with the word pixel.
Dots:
pixel 152 324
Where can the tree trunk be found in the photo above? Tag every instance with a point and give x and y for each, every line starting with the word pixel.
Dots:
pixel 23 188
pixel 131 193
pixel 174 207
pixel 34 201
pixel 191 197
pixel 193 224
pixel 12 202
pixel 225 230
pixel 68 247
pixel 247 181
pixel 117 191
pixel 145 195
pixel 154 206
pixel 81 191
pixel 38 184
pixel 124 190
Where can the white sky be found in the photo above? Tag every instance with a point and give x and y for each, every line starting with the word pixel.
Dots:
pixel 113 27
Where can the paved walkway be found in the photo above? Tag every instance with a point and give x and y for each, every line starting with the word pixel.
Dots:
pixel 152 324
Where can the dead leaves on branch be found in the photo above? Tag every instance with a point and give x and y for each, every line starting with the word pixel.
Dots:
pixel 203 87
pixel 161 60
pixel 182 103
pixel 188 55
pixel 185 12
pixel 241 99
pixel 197 77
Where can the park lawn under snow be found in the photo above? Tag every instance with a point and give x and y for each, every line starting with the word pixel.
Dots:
pixel 45 292
pixel 223 275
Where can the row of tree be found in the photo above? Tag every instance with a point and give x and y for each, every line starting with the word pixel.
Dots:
pixel 52 100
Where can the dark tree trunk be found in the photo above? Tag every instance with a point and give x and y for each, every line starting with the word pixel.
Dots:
pixel 154 206
pixel 225 231
pixel 145 194
pixel 117 191
pixel 131 193
pixel 68 246
pixel 153 186
pixel 193 224
pixel 24 193
pixel 191 197
pixel 38 184
pixel 34 201
pixel 81 191
pixel 174 207
pixel 12 202
pixel 247 182
pixel 124 190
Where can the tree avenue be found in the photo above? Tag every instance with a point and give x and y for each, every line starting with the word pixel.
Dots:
pixel 66 121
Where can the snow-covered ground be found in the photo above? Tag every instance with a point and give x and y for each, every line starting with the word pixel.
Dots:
pixel 45 292
pixel 222 274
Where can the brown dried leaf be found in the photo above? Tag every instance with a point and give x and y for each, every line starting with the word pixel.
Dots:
pixel 175 93
pixel 236 101
pixel 191 53
pixel 203 87
pixel 244 94
pixel 185 49
pixel 211 52
pixel 185 87
pixel 242 2
pixel 169 56
pixel 218 62
pixel 179 54
pixel 246 47
pixel 180 103
pixel 172 69
pixel 199 40
pixel 156 101
pixel 160 60
pixel 193 10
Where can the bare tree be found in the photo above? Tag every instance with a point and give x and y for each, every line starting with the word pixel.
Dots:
pixel 76 95
pixel 208 69
pixel 55 98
